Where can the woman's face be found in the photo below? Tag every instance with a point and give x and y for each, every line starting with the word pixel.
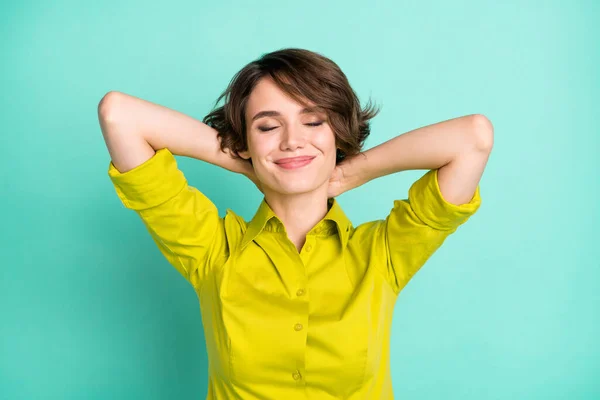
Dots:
pixel 293 150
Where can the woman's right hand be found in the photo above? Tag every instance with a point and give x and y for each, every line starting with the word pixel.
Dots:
pixel 244 167
pixel 250 174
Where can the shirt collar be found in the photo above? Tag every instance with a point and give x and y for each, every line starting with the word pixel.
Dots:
pixel 265 219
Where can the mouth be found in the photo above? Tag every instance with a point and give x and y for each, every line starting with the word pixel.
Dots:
pixel 294 162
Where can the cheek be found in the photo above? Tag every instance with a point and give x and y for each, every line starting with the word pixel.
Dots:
pixel 265 148
pixel 326 143
pixel 258 147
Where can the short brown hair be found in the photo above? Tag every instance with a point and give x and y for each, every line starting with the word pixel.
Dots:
pixel 302 74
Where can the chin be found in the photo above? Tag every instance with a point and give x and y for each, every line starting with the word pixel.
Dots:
pixel 290 188
pixel 295 186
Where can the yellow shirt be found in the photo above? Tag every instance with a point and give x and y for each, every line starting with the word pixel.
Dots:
pixel 283 324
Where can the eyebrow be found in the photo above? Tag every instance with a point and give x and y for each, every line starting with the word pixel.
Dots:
pixel 272 113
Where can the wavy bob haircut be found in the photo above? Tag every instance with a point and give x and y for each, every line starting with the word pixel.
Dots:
pixel 302 74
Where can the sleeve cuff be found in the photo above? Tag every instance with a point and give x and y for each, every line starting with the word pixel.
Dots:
pixel 149 184
pixel 430 206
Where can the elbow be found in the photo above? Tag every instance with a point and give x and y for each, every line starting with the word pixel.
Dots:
pixel 483 133
pixel 107 105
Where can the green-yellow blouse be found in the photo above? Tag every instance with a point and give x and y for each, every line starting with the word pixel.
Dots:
pixel 283 324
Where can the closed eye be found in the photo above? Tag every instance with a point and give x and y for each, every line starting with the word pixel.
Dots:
pixel 266 128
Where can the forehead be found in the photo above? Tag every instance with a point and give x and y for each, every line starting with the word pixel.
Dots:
pixel 267 95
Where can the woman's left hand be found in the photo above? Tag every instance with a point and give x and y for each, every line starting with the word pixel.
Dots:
pixel 346 176
pixel 336 182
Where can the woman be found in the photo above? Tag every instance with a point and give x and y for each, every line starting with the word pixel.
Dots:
pixel 296 303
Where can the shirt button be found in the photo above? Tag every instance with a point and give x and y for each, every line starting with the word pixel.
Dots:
pixel 300 292
pixel 298 327
pixel 308 248
pixel 296 375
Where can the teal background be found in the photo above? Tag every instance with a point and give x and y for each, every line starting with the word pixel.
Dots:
pixel 508 308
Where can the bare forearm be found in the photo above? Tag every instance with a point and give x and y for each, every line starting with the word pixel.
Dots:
pixel 162 127
pixel 428 147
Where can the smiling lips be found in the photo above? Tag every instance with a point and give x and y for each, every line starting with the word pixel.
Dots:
pixel 294 162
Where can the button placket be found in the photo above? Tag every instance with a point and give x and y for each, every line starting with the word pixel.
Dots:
pixel 298 326
pixel 308 245
pixel 300 335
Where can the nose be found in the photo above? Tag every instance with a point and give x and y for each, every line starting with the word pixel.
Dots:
pixel 293 137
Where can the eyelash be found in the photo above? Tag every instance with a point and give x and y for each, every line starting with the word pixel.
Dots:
pixel 266 129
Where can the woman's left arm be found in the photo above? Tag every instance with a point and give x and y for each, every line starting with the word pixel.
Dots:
pixel 458 147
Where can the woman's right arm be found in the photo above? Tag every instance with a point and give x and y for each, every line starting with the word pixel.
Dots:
pixel 134 129
pixel 142 138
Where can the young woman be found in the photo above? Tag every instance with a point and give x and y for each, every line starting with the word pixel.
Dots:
pixel 297 303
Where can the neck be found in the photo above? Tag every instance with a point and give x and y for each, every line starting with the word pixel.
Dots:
pixel 299 213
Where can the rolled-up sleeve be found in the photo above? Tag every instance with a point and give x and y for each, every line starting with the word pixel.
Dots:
pixel 183 222
pixel 150 183
pixel 416 227
pixel 430 206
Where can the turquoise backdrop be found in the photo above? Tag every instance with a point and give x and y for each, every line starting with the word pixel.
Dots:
pixel 508 308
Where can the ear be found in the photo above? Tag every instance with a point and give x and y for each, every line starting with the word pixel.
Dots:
pixel 244 154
